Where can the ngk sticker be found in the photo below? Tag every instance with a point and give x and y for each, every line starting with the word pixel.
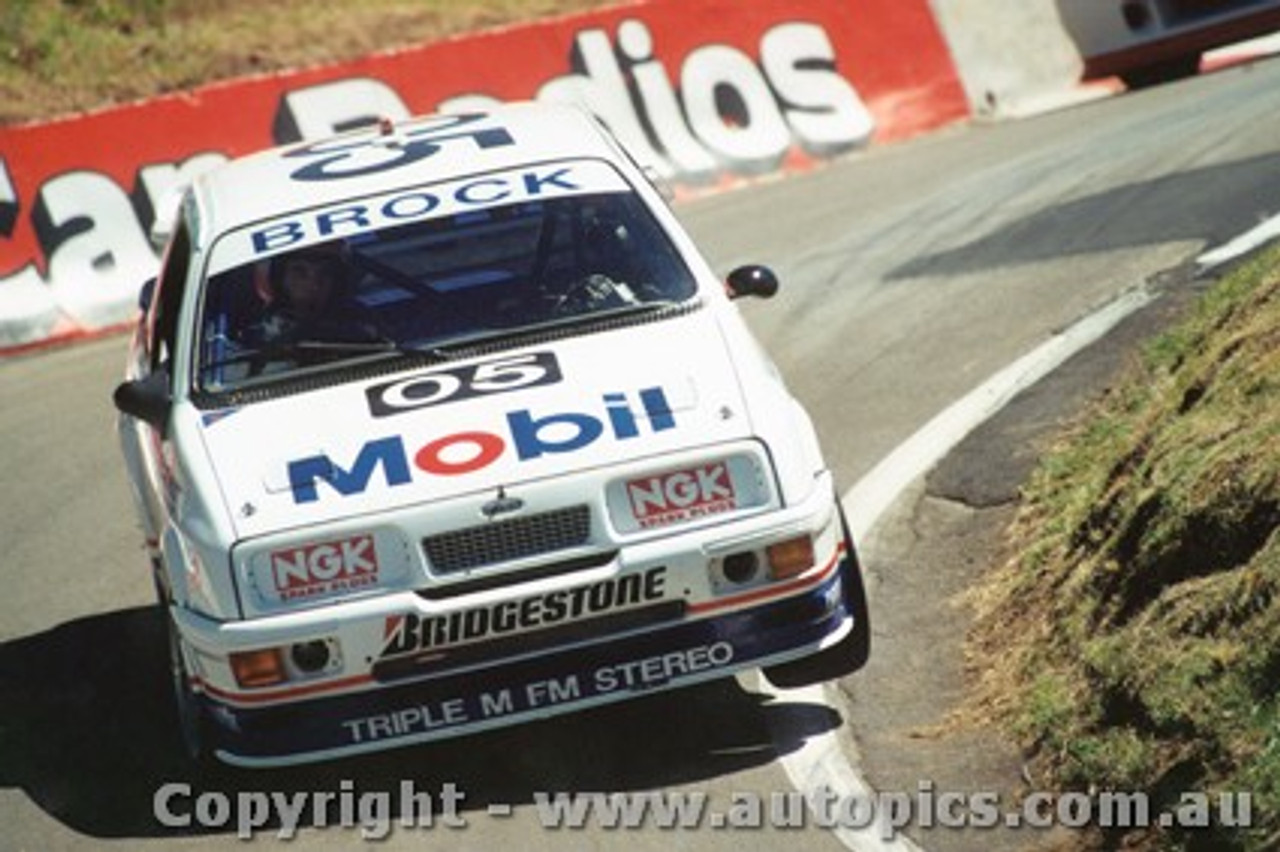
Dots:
pixel 682 495
pixel 347 564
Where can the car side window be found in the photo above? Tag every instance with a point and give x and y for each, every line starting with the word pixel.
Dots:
pixel 167 299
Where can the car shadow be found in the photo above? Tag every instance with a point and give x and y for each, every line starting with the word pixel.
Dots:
pixel 1186 205
pixel 89 734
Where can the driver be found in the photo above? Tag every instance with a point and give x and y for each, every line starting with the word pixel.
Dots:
pixel 307 298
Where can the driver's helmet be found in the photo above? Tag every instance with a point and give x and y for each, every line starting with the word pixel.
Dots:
pixel 309 281
pixel 324 260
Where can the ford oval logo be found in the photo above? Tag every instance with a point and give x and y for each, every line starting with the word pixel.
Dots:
pixel 502 505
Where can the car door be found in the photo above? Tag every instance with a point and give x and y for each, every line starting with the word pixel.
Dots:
pixel 147 449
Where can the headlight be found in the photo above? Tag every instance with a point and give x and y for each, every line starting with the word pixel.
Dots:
pixel 258 668
pixel 790 558
pixel 300 661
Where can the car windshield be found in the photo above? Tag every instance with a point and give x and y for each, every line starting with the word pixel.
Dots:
pixel 481 275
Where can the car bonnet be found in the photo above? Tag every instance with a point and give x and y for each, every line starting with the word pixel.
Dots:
pixel 470 426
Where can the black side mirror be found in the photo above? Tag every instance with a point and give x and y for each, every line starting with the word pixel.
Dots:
pixel 752 280
pixel 146 294
pixel 147 399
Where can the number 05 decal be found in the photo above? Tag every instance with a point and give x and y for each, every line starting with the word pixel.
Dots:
pixel 438 387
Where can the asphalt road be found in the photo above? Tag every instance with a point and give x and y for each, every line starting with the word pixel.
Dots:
pixel 909 274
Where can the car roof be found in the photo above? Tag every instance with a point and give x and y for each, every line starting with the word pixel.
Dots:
pixel 423 150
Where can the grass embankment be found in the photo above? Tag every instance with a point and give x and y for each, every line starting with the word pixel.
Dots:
pixel 64 56
pixel 1133 642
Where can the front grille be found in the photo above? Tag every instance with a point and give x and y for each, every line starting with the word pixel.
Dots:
pixel 487 581
pixel 504 541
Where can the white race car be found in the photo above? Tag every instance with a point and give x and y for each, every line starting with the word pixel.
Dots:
pixel 445 425
pixel 1147 42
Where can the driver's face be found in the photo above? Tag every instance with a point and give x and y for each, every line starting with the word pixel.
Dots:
pixel 308 285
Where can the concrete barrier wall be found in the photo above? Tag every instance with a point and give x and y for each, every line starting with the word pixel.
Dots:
pixel 1012 54
pixel 706 92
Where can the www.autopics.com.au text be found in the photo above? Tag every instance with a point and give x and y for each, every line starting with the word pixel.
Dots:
pixel 376 813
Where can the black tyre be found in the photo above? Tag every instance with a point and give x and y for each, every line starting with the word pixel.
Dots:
pixel 848 655
pixel 192 724
pixel 1178 68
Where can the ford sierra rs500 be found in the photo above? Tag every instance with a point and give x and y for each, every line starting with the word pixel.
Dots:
pixel 444 425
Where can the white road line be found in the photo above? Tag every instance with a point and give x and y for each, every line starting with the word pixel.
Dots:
pixel 821 764
pixel 1261 46
pixel 1241 245
pixel 875 492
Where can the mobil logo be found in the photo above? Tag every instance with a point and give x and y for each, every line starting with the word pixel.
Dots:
pixel 527 436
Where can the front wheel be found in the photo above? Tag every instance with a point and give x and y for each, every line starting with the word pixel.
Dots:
pixel 848 655
pixel 1166 71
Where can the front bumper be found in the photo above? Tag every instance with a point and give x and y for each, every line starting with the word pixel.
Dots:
pixel 505 693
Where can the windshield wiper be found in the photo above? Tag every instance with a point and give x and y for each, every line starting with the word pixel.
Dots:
pixel 448 346
pixel 285 351
pixel 436 349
